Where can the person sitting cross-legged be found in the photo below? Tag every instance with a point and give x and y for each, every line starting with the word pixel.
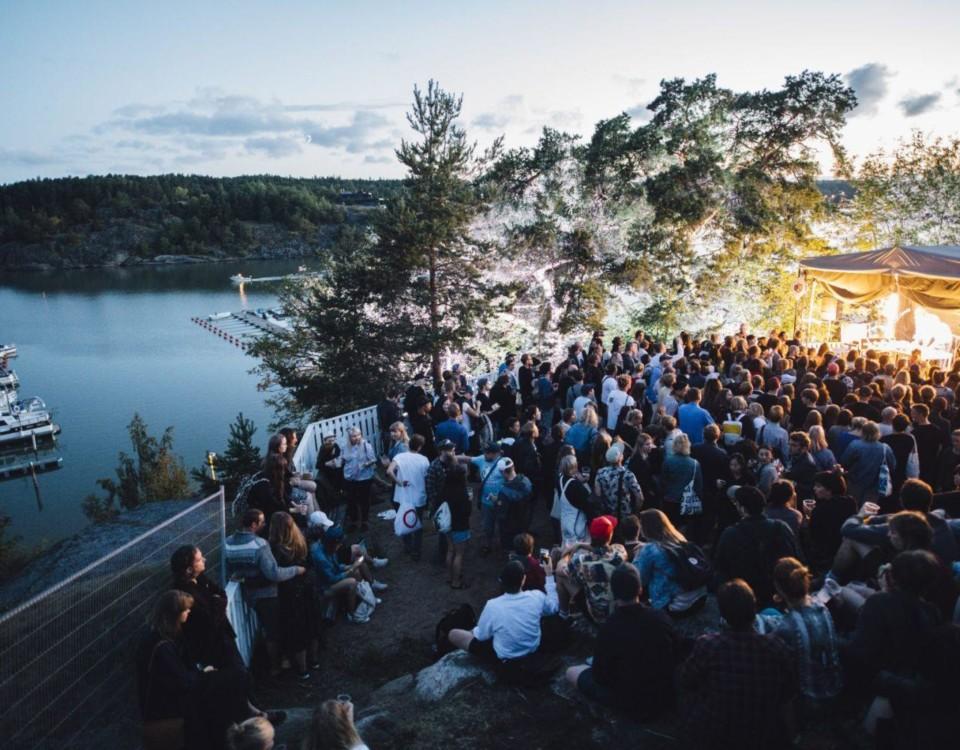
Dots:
pixel 588 570
pixel 635 641
pixel 509 625
pixel 333 578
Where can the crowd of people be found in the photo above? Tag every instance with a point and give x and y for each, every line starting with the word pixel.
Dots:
pixel 816 495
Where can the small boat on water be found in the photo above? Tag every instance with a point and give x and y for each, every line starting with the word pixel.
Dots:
pixel 22 421
pixel 239 278
pixel 219 316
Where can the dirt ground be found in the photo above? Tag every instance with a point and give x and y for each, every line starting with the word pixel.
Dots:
pixel 359 658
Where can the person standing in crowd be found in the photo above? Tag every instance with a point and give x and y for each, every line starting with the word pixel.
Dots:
pixel 251 559
pixel 692 418
pixel 514 503
pixel 864 459
pixel 329 476
pixel 618 400
pixel 408 471
pixel 616 487
pixel 298 628
pixel 389 413
pixel 359 462
pixel 455 494
pixel 749 548
pixel 397 442
pixel 453 430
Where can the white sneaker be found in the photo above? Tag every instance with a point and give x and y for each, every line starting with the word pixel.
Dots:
pixel 379 562
pixel 361 620
pixel 378 586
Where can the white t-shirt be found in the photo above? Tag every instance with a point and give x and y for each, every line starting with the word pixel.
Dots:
pixel 513 620
pixel 412 468
pixel 608 386
pixel 615 402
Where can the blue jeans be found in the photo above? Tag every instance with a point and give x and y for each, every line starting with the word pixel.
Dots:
pixel 488 522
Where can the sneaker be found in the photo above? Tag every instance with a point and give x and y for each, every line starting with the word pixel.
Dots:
pixel 379 562
pixel 379 586
pixel 360 620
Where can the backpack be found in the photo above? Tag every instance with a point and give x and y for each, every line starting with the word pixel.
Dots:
pixel 240 500
pixel 693 569
pixel 732 431
pixel 458 618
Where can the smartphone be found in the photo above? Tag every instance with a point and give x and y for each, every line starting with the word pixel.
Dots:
pixel 544 554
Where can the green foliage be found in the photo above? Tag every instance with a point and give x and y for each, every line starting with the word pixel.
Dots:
pixel 240 459
pixel 152 473
pixel 182 212
pixel 911 196
pixel 718 184
pixel 396 297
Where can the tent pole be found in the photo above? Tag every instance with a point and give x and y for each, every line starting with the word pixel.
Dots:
pixel 813 286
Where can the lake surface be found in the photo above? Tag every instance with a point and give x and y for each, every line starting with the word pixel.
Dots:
pixel 99 345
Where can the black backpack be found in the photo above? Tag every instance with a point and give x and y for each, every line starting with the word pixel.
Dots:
pixel 458 618
pixel 691 564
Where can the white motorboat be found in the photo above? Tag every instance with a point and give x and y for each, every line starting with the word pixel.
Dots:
pixel 24 420
pixel 239 278
pixel 8 379
pixel 219 316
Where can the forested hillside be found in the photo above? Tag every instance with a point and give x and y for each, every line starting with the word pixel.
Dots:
pixel 118 219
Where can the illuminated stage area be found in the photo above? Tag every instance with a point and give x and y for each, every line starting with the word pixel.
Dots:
pixel 902 300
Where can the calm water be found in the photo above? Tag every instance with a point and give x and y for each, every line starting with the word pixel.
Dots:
pixel 99 345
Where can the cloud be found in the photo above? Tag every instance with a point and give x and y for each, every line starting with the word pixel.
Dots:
pixel 632 84
pixel 274 147
pixel 371 159
pixel 213 124
pixel 565 118
pixel 913 106
pixel 342 106
pixel 869 82
pixel 640 113
pixel 491 121
pixel 510 109
pixel 26 157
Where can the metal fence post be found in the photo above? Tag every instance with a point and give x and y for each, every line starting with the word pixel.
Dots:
pixel 223 537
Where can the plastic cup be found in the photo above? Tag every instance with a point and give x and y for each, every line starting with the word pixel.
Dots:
pixel 809 505
pixel 870 509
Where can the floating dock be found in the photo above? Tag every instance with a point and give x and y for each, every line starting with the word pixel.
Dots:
pixel 239 328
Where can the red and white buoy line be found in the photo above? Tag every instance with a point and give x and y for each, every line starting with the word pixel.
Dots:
pixel 216 330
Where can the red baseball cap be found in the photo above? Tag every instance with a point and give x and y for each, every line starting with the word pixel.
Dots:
pixel 602 527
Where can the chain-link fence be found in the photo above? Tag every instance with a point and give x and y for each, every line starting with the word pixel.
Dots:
pixel 67 668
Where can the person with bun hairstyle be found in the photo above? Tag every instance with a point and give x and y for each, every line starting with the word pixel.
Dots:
pixel 806 626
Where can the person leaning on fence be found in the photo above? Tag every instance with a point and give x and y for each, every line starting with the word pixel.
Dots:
pixel 359 462
pixel 249 558
pixel 209 637
pixel 182 705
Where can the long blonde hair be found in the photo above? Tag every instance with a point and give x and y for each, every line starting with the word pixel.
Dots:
pixel 656 527
pixel 284 533
pixel 589 416
pixel 402 429
pixel 818 438
pixel 331 728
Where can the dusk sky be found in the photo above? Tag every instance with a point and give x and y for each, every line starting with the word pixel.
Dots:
pixel 320 88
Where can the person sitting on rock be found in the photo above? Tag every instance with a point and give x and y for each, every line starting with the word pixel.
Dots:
pixel 589 569
pixel 635 640
pixel 509 625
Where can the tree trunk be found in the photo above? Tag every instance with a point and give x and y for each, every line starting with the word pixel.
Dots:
pixel 434 324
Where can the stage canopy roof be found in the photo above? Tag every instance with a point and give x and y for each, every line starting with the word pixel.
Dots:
pixel 928 276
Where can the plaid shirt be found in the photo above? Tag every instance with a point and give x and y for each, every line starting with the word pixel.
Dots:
pixel 736 683
pixel 434 479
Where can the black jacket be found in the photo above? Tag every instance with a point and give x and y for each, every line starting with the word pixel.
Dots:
pixel 750 549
